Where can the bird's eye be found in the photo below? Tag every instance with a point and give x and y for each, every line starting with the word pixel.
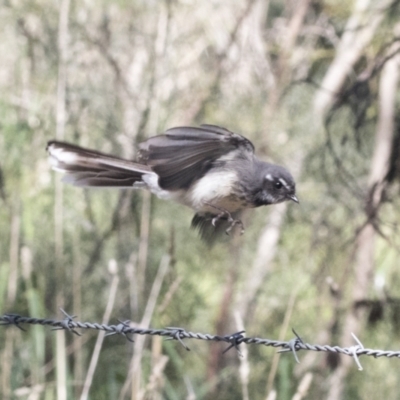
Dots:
pixel 278 185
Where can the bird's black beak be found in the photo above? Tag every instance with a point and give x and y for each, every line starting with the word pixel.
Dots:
pixel 294 198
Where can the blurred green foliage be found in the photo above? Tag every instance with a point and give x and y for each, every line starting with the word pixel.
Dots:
pixel 133 70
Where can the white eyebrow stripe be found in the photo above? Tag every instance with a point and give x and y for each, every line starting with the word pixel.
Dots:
pixel 284 183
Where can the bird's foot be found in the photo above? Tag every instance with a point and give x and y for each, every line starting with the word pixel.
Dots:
pixel 225 214
pixel 234 222
pixel 218 217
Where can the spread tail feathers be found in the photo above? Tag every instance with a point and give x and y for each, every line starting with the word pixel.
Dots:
pixel 91 168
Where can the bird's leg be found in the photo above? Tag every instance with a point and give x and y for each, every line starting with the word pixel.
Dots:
pixel 225 213
pixel 233 223
pixel 218 217
pixel 222 213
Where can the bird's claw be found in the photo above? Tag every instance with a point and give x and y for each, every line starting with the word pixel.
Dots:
pixel 234 222
pixel 217 218
pixel 225 213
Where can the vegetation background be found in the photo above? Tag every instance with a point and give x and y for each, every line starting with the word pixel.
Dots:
pixel 313 83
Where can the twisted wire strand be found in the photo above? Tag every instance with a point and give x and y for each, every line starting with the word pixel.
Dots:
pixel 176 333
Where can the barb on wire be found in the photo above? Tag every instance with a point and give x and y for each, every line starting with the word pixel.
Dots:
pixel 66 323
pixel 354 349
pixel 173 333
pixel 121 330
pixel 11 319
pixel 234 340
pixel 292 345
pixel 176 335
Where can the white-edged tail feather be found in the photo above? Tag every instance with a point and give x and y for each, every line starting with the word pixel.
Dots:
pixel 85 167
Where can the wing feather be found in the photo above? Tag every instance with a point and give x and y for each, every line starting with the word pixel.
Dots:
pixel 184 154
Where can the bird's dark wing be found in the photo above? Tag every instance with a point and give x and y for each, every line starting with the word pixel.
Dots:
pixel 85 167
pixel 183 155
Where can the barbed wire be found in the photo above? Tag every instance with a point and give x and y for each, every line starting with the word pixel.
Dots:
pixel 175 333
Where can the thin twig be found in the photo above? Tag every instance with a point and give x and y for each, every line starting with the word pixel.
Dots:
pixel 147 315
pixel 100 337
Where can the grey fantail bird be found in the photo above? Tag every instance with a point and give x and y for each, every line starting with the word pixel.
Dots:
pixel 209 169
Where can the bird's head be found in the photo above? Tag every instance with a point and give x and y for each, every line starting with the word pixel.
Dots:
pixel 276 185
